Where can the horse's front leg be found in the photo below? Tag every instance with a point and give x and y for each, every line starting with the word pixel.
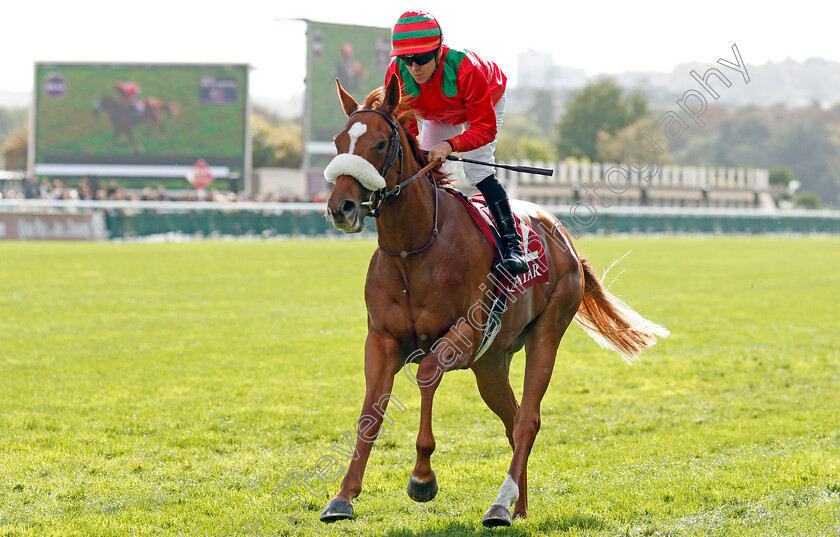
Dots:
pixel 422 484
pixel 382 362
pixel 137 147
pixel 449 352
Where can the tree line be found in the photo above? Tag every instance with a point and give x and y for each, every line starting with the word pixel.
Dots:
pixel 602 121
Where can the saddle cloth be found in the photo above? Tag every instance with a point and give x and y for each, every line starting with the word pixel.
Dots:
pixel 507 285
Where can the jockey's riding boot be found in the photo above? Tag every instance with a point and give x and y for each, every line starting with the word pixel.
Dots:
pixel 513 258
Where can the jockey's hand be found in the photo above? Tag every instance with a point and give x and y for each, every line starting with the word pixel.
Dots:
pixel 440 152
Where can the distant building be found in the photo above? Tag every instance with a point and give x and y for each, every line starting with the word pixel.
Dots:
pixel 537 70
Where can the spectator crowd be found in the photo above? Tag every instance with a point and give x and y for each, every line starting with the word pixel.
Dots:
pixel 90 188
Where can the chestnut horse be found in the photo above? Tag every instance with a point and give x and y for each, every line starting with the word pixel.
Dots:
pixel 124 116
pixel 432 265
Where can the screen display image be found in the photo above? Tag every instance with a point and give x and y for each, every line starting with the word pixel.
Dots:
pixel 355 55
pixel 139 120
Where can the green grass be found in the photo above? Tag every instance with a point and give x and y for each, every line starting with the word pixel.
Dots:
pixel 169 389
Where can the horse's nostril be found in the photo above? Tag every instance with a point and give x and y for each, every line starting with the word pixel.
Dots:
pixel 348 207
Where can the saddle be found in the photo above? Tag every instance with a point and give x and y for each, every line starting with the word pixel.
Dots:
pixel 506 285
pixel 532 246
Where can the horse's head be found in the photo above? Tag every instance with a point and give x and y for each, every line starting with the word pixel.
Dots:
pixel 369 157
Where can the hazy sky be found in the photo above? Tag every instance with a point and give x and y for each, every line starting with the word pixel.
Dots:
pixel 600 37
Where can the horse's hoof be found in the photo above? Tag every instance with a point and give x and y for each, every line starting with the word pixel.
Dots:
pixel 422 492
pixel 337 509
pixel 497 515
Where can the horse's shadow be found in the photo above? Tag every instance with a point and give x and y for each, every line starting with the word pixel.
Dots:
pixel 546 526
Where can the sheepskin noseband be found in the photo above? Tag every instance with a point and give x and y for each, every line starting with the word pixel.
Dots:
pixel 356 167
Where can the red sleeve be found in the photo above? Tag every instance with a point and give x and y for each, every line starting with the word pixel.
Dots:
pixel 480 112
pixel 393 70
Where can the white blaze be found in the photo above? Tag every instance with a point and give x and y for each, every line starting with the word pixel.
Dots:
pixel 355 131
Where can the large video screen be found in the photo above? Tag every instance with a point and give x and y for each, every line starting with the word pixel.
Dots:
pixel 140 120
pixel 358 57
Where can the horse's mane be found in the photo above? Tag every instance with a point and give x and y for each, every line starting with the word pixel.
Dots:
pixel 405 116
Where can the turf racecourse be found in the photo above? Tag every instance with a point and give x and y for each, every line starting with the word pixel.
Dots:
pixel 170 389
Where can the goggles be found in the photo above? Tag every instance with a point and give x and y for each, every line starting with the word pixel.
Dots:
pixel 419 59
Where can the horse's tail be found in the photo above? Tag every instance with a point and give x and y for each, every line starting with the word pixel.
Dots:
pixel 611 323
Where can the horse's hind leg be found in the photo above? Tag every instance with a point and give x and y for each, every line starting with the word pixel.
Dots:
pixel 492 377
pixel 540 351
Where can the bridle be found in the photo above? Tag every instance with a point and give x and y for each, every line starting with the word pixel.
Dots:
pixel 395 154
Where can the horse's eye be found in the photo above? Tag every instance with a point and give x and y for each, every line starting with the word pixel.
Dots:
pixel 380 146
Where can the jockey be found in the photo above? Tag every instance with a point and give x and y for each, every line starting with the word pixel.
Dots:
pixel 459 99
pixel 127 90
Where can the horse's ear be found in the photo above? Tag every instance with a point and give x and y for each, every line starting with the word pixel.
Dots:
pixel 347 102
pixel 391 100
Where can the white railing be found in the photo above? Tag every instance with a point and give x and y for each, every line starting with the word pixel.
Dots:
pixel 711 177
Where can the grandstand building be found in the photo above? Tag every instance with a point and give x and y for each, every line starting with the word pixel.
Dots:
pixel 671 186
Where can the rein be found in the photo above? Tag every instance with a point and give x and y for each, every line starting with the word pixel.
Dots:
pixel 434 231
pixel 378 196
pixel 382 194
